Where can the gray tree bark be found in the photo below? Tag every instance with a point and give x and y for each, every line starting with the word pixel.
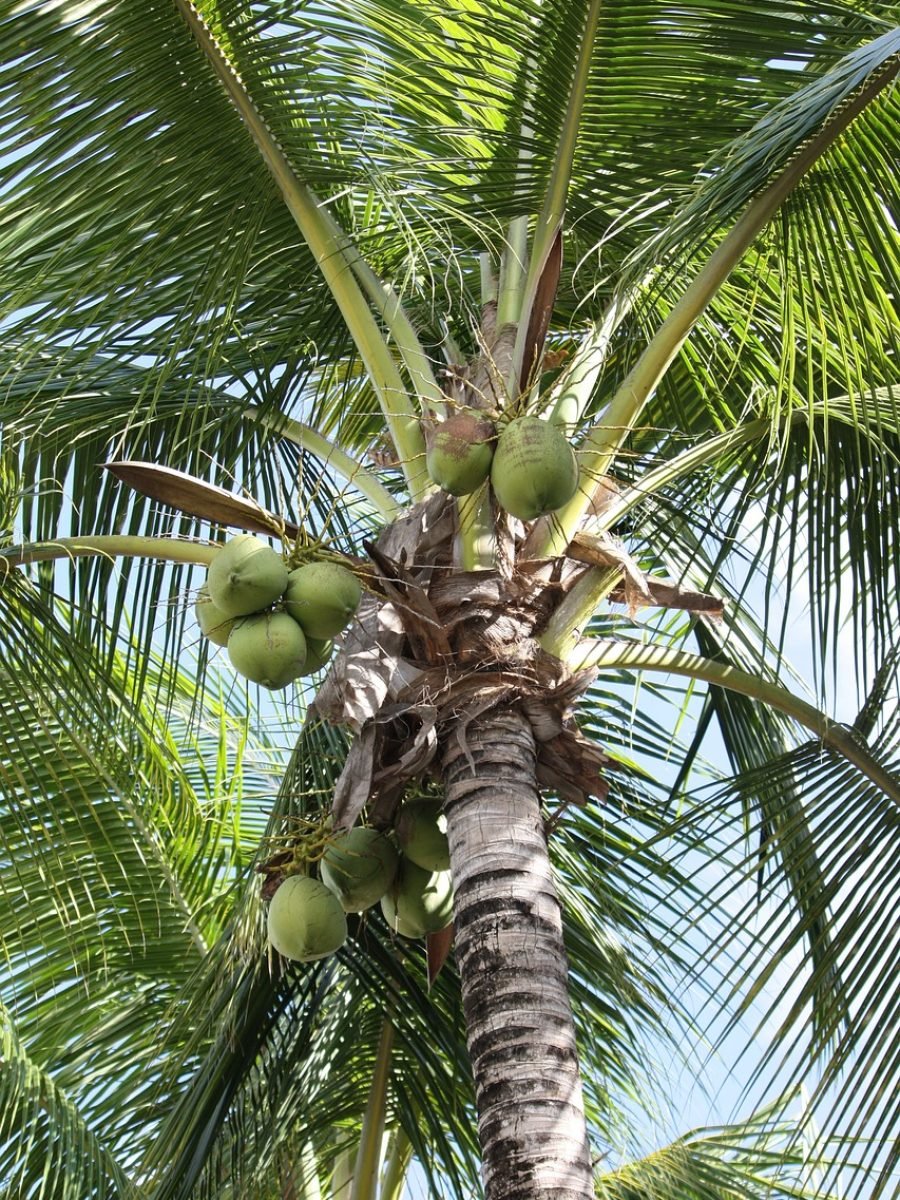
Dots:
pixel 512 964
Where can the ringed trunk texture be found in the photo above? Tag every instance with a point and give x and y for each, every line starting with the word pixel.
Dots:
pixel 512 964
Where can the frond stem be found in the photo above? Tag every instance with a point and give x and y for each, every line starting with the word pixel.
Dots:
pixel 604 653
pixel 512 273
pixel 396 1165
pixel 333 456
pixel 368 1156
pixel 555 200
pixel 392 312
pixel 580 378
pixel 307 1186
pixel 329 247
pixel 569 620
pixel 488 278
pixel 554 206
pixel 601 446
pixel 106 546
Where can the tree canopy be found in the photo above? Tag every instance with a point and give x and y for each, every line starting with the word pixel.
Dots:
pixel 197 276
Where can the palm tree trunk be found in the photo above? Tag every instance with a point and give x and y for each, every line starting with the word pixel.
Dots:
pixel 512 964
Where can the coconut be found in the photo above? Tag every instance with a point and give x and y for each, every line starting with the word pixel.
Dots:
pixel 322 596
pixel 213 623
pixel 459 453
pixel 245 576
pixel 318 653
pixel 269 648
pixel 422 833
pixel 359 866
pixel 418 901
pixel 534 469
pixel 305 920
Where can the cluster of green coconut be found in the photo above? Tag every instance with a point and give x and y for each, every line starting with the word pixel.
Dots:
pixel 277 623
pixel 307 917
pixel 531 465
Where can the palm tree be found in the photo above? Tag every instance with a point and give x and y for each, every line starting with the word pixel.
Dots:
pixel 252 250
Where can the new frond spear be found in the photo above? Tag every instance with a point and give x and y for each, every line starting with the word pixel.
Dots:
pixel 446 627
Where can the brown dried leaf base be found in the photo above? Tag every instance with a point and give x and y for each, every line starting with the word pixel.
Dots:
pixel 441 649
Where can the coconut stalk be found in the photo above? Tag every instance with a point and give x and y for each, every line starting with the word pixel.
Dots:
pixel 574 389
pixel 573 614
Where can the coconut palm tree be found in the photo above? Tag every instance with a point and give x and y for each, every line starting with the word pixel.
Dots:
pixel 259 257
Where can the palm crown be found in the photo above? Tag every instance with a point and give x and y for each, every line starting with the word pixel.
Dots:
pixel 256 244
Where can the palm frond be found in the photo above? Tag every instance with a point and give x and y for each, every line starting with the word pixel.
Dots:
pixel 121 834
pixel 64 434
pixel 759 521
pixel 46 1147
pixel 730 180
pixel 757 1158
pixel 846 834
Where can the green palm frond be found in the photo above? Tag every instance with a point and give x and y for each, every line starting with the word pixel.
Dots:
pixel 449 139
pixel 122 833
pixel 732 178
pixel 66 433
pixel 846 837
pixel 159 303
pixel 759 1157
pixel 760 520
pixel 70 771
pixel 46 1146
pixel 797 831
pixel 753 736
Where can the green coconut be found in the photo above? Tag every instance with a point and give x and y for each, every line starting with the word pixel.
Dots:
pixel 359 866
pixel 268 648
pixel 318 653
pixel 459 453
pixel 213 623
pixel 322 596
pixel 305 920
pixel 418 901
pixel 245 576
pixel 534 469
pixel 422 833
